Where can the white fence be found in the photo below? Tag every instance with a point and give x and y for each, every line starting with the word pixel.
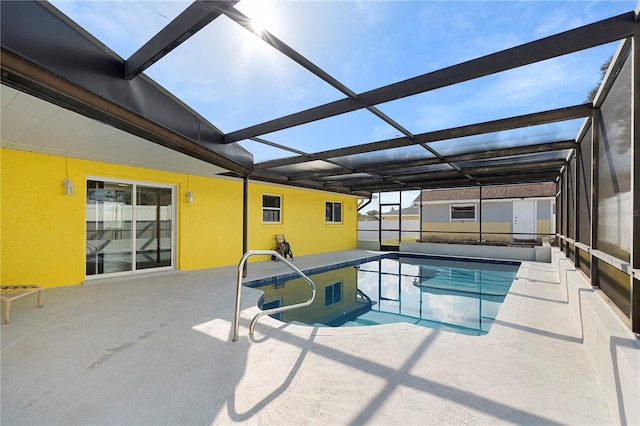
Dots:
pixel 368 229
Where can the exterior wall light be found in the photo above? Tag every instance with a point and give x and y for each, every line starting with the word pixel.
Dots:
pixel 69 189
pixel 189 197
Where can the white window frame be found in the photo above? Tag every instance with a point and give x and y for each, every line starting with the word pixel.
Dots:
pixel 332 219
pixel 456 219
pixel 272 209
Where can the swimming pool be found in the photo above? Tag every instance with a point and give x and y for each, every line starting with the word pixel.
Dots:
pixel 459 295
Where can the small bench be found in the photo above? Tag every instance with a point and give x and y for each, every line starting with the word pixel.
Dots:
pixel 9 293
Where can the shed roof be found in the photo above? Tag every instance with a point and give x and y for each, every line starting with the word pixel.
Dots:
pixel 407 211
pixel 489 192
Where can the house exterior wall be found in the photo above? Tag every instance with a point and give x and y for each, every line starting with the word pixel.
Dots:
pixel 302 220
pixel 450 231
pixel 543 227
pixel 496 231
pixel 43 230
pixel 435 213
pixel 210 228
pixel 436 219
pixel 497 221
pixel 543 210
pixel 498 212
pixel 543 217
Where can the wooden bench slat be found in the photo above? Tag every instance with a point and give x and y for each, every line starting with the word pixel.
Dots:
pixel 9 293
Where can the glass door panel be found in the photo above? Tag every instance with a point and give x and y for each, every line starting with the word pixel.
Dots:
pixel 153 227
pixel 129 227
pixel 109 227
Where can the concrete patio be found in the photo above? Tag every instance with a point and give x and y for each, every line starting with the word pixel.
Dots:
pixel 156 349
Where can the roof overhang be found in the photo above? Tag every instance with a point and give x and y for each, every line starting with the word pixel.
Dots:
pixel 48 56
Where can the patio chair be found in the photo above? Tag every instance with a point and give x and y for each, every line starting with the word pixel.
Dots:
pixel 9 293
pixel 283 247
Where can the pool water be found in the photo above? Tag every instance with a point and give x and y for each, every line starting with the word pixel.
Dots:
pixel 457 295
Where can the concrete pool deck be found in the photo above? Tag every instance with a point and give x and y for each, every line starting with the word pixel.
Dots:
pixel 157 349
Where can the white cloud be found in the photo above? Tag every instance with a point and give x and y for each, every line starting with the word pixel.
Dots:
pixel 558 22
pixel 122 25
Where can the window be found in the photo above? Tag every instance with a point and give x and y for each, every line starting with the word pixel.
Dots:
pixel 271 207
pixel 333 293
pixel 463 211
pixel 333 212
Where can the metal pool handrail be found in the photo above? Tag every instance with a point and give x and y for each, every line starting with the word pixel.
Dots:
pixel 243 260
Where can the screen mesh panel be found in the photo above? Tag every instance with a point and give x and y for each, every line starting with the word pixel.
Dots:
pixel 571 198
pixel 584 189
pixel 614 168
pixel 615 284
pixel 585 262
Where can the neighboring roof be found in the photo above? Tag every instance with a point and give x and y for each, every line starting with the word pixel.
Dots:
pixel 489 192
pixel 405 212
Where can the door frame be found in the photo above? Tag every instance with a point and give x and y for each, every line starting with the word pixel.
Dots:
pixel 174 229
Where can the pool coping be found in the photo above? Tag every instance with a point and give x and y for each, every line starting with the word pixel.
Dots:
pixel 256 283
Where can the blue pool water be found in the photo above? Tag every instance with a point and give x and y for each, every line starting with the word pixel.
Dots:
pixel 458 295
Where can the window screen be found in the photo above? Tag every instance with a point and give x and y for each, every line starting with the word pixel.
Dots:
pixel 333 212
pixel 271 208
pixel 463 211
pixel 333 293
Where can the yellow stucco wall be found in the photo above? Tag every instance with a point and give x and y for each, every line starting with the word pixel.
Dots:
pixel 40 233
pixel 43 231
pixel 303 220
pixel 211 226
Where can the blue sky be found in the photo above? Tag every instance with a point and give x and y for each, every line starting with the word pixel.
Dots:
pixel 235 80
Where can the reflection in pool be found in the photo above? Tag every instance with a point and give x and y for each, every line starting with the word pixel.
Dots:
pixel 445 294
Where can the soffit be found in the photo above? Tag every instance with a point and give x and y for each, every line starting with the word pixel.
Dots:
pixel 34 125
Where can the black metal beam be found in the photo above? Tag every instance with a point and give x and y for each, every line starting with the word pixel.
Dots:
pixel 383 166
pixel 391 186
pixel 545 117
pixel 48 56
pixel 407 178
pixel 244 21
pixel 268 177
pixel 581 38
pixel 520 150
pixel 546 168
pixel 190 21
pixel 31 79
pixel 614 68
pixel 635 179
pixel 292 54
pixel 526 177
pixel 531 166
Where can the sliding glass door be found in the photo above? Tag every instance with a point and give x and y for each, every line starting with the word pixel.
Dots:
pixel 129 227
